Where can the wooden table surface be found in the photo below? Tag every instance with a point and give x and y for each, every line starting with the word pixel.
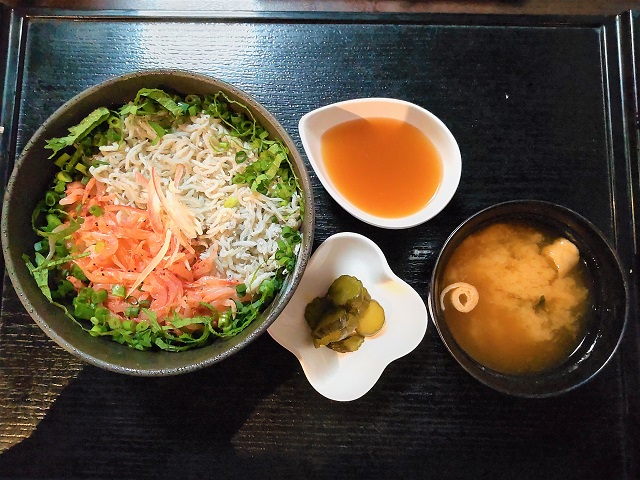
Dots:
pixel 515 7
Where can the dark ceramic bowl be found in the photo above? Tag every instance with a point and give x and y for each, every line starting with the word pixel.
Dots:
pixel 610 299
pixel 31 178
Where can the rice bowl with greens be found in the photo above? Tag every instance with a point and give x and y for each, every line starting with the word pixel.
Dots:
pixel 173 221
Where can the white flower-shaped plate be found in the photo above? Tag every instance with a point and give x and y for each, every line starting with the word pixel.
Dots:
pixel 348 376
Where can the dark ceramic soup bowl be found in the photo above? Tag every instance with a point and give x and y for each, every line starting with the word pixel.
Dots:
pixel 609 299
pixel 30 179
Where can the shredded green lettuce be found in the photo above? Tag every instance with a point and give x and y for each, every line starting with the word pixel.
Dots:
pixel 78 132
pixel 163 98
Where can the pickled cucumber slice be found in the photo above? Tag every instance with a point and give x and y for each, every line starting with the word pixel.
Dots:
pixel 349 344
pixel 346 291
pixel 334 326
pixel 329 338
pixel 360 308
pixel 344 316
pixel 372 320
pixel 335 320
pixel 315 310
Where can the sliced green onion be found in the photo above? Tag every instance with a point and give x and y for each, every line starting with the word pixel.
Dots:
pixel 221 146
pixel 62 160
pixel 118 291
pixel 231 202
pixel 142 326
pixel 241 156
pixel 131 312
pixel 96 210
pixel 223 320
pixel 52 222
pixel 99 296
pixel 64 177
pixel 192 99
pixel 115 121
pixel 97 163
pixel 77 272
pixel 50 199
pixel 114 323
pixel 83 310
pixel 245 128
pixel 102 313
pixel 129 325
pixel 238 179
pixel 75 158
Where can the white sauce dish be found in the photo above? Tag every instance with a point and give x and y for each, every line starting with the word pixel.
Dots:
pixel 348 376
pixel 313 125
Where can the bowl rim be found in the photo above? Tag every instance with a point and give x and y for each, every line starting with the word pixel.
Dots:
pixel 293 278
pixel 445 192
pixel 485 375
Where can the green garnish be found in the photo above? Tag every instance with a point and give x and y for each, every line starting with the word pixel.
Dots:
pixel 160 132
pixel 64 177
pixel 132 311
pixel 285 255
pixel 231 202
pixel 99 296
pixel 96 210
pixel 78 132
pixel 163 98
pixel 241 156
pixel 540 304
pixel 118 291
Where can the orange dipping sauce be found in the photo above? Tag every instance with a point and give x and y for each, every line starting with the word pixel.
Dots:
pixel 384 166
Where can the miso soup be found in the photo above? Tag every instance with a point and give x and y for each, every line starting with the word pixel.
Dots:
pixel 533 297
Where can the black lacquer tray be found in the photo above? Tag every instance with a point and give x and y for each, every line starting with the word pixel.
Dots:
pixel 542 107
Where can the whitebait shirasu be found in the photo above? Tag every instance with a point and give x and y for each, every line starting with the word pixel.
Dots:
pixel 240 227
